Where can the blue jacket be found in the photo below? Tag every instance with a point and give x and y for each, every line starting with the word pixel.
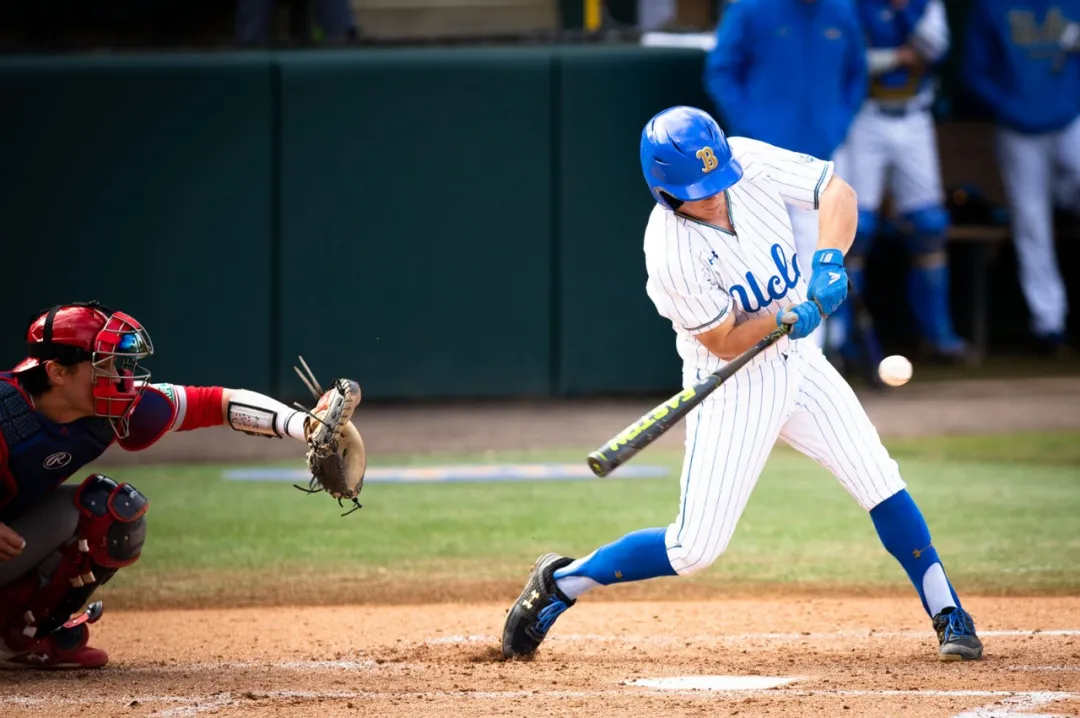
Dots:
pixel 887 27
pixel 1014 63
pixel 789 72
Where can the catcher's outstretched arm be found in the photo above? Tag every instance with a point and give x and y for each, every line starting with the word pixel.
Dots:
pixel 335 452
pixel 260 415
pixel 199 407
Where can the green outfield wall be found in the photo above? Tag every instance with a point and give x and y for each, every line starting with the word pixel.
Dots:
pixel 436 223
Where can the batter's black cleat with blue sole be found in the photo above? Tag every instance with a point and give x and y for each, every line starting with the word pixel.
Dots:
pixel 535 610
pixel 956 636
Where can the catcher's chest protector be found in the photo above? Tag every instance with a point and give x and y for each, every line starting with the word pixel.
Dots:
pixel 41 454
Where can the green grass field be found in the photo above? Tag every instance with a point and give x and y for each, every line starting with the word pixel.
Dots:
pixel 1004 512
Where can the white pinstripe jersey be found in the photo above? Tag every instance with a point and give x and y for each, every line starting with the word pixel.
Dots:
pixel 698 273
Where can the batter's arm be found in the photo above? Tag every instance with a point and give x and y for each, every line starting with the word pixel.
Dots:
pixel 728 340
pixel 838 215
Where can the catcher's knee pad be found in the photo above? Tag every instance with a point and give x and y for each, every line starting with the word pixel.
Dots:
pixel 926 230
pixel 112 522
pixel 110 535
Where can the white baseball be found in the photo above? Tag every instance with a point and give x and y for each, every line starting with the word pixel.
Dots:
pixel 895 370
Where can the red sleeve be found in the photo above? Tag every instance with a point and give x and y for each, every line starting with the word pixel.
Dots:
pixel 203 407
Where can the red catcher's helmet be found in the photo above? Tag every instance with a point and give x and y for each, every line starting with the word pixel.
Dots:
pixel 113 341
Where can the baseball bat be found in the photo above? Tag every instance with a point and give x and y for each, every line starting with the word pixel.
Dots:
pixel 651 426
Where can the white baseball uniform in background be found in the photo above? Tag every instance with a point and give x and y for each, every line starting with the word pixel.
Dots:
pixel 1029 169
pixel 698 275
pixel 894 142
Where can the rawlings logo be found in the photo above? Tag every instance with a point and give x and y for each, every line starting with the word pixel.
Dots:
pixel 57 461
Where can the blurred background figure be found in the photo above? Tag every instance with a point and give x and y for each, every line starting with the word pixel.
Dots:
pixel 892 147
pixel 655 14
pixel 1022 60
pixel 332 20
pixel 792 73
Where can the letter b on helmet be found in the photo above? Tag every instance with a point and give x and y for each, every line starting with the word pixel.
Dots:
pixel 685 155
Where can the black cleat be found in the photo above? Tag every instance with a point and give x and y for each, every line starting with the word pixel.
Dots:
pixel 535 610
pixel 956 636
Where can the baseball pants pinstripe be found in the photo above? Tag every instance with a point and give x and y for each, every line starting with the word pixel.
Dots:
pixel 798 397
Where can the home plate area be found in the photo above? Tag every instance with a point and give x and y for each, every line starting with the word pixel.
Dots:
pixel 779 656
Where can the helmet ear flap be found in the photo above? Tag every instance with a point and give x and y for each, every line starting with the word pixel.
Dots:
pixel 670 201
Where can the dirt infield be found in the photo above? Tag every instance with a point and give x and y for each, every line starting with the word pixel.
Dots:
pixel 858 657
pixel 830 655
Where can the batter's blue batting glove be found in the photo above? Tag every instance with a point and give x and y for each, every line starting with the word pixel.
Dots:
pixel 828 280
pixel 803 318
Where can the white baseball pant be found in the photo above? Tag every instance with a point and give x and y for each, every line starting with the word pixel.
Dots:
pixel 1028 172
pixel 798 397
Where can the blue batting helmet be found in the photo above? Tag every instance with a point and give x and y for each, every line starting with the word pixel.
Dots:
pixel 685 155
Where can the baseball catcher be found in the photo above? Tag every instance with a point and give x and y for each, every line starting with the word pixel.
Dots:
pixel 81 388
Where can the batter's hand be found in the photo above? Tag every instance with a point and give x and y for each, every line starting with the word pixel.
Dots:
pixel 828 280
pixel 803 318
pixel 11 543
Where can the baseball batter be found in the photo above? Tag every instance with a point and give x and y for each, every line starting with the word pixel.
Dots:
pixel 892 146
pixel 80 389
pixel 721 265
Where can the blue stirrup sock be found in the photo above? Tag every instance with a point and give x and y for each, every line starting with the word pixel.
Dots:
pixel 928 295
pixel 637 556
pixel 904 533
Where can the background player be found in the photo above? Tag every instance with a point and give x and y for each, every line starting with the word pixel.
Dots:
pixel 814 50
pixel 718 250
pixel 893 145
pixel 1023 62
pixel 80 389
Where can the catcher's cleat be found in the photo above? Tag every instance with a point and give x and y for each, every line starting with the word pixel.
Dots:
pixel 956 636
pixel 64 649
pixel 535 610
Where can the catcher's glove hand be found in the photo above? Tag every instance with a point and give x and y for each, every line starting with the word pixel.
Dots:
pixel 336 455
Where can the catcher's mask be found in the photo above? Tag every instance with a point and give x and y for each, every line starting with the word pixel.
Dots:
pixel 112 341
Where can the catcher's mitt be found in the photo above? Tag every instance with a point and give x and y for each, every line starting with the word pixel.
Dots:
pixel 336 455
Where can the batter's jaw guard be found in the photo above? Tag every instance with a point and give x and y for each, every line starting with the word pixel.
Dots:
pixel 113 341
pixel 110 535
pixel 685 155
